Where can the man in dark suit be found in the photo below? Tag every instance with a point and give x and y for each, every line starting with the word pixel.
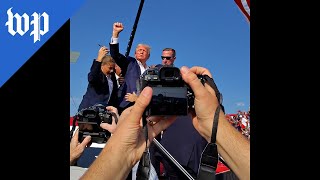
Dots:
pixel 181 139
pixel 102 87
pixel 131 67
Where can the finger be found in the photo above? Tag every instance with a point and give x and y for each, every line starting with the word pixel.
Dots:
pixel 191 78
pixel 200 71
pixel 163 124
pixel 112 109
pixel 195 121
pixel 141 104
pixel 85 141
pixel 203 71
pixel 156 118
pixel 108 127
pixel 74 139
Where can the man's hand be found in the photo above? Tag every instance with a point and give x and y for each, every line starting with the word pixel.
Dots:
pixel 205 101
pixel 76 148
pixel 117 28
pixel 113 126
pixel 103 51
pixel 131 97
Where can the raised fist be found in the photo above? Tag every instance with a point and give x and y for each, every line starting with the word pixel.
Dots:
pixel 117 27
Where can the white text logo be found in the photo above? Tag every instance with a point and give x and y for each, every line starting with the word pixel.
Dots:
pixel 22 24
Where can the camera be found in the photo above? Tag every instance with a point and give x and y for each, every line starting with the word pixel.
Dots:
pixel 170 95
pixel 89 120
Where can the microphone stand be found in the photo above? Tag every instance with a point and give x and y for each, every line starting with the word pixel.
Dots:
pixel 175 162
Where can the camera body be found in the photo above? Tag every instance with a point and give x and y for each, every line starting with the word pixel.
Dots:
pixel 89 120
pixel 171 95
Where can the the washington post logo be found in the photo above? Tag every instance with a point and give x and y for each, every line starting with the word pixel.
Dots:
pixel 39 22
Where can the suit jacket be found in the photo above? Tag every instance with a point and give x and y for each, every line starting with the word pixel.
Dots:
pixel 131 70
pixel 98 88
pixel 184 143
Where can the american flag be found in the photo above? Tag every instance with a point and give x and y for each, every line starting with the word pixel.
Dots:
pixel 244 6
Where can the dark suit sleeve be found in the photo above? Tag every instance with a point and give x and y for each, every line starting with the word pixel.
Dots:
pixel 94 75
pixel 120 59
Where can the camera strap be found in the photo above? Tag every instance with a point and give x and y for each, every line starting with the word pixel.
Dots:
pixel 143 171
pixel 209 157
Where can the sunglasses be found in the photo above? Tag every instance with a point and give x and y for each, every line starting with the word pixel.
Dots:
pixel 167 58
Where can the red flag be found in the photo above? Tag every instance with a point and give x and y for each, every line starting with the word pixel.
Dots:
pixel 244 6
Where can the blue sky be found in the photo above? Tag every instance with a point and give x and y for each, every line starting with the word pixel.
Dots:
pixel 209 33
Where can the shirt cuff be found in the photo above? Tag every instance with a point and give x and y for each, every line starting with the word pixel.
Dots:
pixel 114 40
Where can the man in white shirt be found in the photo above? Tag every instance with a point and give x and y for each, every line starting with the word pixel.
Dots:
pixel 132 67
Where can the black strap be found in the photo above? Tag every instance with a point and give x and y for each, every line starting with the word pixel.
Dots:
pixel 209 161
pixel 209 158
pixel 215 125
pixel 207 79
pixel 143 171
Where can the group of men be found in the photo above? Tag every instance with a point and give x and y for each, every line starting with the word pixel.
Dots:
pixel 119 89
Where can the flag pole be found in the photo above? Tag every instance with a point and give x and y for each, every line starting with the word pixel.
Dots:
pixel 133 32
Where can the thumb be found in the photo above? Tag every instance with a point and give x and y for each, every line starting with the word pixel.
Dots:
pixel 140 105
pixel 107 127
pixel 193 81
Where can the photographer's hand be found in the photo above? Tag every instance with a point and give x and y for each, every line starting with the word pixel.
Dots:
pixel 111 127
pixel 232 145
pixel 76 148
pixel 126 146
pixel 205 101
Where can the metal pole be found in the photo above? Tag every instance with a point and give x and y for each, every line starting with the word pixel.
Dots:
pixel 175 162
pixel 134 28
